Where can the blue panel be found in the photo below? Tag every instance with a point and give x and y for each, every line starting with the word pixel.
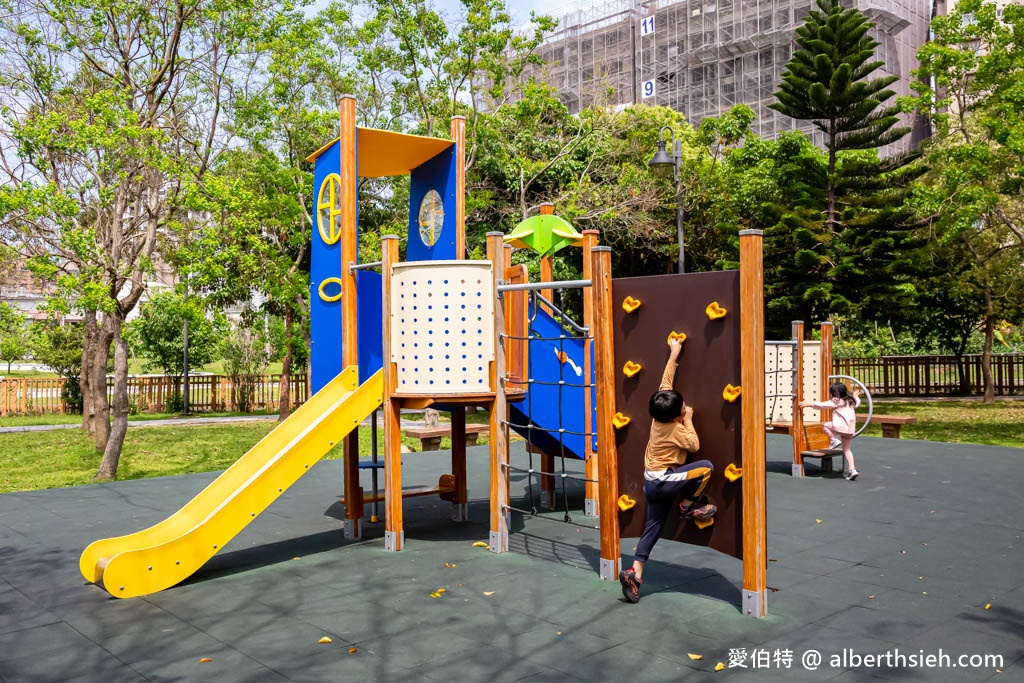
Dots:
pixel 550 406
pixel 437 174
pixel 370 314
pixel 325 262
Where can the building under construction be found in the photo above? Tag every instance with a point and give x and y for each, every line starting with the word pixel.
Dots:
pixel 701 57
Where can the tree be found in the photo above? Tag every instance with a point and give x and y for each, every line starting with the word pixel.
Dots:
pixel 827 82
pixel 159 332
pixel 112 110
pixel 13 336
pixel 969 81
pixel 59 347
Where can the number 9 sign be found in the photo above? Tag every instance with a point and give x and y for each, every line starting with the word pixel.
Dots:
pixel 648 88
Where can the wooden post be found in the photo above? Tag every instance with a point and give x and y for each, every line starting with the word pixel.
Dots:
pixel 607 456
pixel 498 540
pixel 755 530
pixel 799 437
pixel 590 506
pixel 459 463
pixel 349 331
pixel 394 533
pixel 458 130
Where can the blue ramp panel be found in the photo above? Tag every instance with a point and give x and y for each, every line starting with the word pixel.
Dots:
pixel 554 398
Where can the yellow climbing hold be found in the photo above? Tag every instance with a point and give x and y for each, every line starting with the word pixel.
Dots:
pixel 619 420
pixel 629 304
pixel 625 502
pixel 731 393
pixel 678 336
pixel 715 311
pixel 732 473
pixel 630 368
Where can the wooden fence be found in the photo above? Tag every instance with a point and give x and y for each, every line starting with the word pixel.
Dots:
pixel 891 376
pixel 152 394
pixel 887 376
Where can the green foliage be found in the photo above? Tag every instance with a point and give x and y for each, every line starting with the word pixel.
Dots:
pixel 246 355
pixel 13 335
pixel 970 80
pixel 158 332
pixel 59 347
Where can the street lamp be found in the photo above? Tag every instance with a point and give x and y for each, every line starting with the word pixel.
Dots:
pixel 662 164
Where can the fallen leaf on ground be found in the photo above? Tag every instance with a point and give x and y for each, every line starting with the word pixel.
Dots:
pixel 988 605
pixel 324 640
pixel 480 544
pixel 817 521
pixel 719 666
pixel 490 593
pixel 353 650
pixel 693 656
pixel 204 660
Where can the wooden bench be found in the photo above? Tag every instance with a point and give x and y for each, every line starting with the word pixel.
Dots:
pixel 891 424
pixel 430 437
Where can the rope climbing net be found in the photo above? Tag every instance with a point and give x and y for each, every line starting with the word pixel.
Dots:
pixel 544 351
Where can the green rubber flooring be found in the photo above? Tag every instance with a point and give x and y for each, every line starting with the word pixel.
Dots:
pixel 899 565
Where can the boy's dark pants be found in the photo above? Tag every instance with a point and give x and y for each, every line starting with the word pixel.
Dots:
pixel 684 481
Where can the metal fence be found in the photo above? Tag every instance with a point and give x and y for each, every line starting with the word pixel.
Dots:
pixel 153 394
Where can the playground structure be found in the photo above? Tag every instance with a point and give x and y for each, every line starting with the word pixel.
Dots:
pixel 440 331
pixel 796 369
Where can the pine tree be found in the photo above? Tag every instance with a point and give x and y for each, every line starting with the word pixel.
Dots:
pixel 827 82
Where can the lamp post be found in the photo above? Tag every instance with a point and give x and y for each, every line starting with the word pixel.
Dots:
pixel 662 163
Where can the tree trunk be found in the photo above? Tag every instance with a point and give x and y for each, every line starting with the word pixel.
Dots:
pixel 986 358
pixel 85 374
pixel 112 453
pixel 100 428
pixel 284 403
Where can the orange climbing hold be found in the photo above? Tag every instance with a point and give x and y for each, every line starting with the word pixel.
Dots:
pixel 625 502
pixel 732 473
pixel 715 311
pixel 679 336
pixel 629 304
pixel 731 393
pixel 704 523
pixel 619 420
pixel 630 368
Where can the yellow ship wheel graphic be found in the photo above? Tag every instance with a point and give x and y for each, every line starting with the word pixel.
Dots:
pixel 328 209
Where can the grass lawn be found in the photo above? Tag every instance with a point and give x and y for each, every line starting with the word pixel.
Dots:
pixel 958 421
pixel 49 459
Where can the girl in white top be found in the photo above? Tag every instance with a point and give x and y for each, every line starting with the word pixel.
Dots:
pixel 844 421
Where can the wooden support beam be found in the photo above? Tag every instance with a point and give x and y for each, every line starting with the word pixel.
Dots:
pixel 607 457
pixel 591 470
pixel 498 441
pixel 349 330
pixel 755 529
pixel 799 437
pixel 394 532
pixel 458 130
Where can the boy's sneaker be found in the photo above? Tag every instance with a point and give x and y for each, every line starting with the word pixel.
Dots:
pixel 706 511
pixel 630 585
pixel 852 475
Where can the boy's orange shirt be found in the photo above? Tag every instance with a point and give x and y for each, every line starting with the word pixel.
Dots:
pixel 670 442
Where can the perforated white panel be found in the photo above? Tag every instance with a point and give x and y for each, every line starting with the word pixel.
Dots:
pixel 778 381
pixel 442 326
pixel 812 379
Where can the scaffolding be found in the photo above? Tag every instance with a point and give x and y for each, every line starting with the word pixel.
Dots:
pixel 701 57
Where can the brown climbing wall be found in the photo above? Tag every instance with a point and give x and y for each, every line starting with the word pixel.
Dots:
pixel 710 360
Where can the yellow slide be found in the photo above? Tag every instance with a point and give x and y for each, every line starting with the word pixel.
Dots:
pixel 164 554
